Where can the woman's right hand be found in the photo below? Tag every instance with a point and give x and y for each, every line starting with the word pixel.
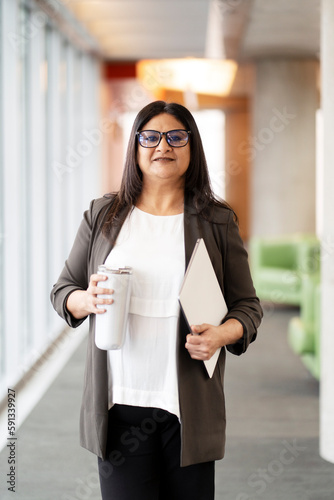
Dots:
pixel 81 303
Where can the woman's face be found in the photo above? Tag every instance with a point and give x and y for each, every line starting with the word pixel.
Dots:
pixel 163 163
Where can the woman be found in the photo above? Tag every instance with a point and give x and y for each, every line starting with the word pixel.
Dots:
pixel 150 412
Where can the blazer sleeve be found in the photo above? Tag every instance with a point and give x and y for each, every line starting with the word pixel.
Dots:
pixel 240 295
pixel 74 275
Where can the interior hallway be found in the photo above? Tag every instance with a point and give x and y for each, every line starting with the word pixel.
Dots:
pixel 272 431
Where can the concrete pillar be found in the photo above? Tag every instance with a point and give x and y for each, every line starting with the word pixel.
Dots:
pixel 282 147
pixel 327 237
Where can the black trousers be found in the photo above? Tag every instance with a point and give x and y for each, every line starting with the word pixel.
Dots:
pixel 143 459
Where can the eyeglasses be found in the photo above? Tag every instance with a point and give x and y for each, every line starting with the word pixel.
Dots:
pixel 175 138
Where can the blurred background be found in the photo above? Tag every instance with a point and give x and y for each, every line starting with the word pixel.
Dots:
pixel 258 76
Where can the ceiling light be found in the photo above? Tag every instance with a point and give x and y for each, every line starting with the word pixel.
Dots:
pixel 201 76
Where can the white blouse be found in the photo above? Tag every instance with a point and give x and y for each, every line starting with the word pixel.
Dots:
pixel 144 372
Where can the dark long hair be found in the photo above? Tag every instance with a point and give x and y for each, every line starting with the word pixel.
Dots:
pixel 197 182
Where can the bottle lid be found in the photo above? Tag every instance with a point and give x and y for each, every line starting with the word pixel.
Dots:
pixel 115 270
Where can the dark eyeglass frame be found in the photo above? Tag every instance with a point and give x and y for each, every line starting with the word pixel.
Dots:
pixel 168 139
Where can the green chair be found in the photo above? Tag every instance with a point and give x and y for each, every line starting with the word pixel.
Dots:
pixel 304 330
pixel 279 264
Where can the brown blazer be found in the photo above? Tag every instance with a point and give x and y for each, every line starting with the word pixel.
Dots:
pixel 202 404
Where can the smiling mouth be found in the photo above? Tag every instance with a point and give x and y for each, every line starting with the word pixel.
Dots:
pixel 162 158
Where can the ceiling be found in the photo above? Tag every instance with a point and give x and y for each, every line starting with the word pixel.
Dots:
pixel 139 29
pixel 282 27
pixel 129 30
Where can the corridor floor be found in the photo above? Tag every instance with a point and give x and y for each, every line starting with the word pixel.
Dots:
pixel 272 430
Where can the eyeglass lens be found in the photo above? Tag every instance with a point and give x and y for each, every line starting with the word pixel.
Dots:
pixel 151 138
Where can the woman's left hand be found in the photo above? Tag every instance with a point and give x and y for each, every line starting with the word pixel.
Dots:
pixel 206 339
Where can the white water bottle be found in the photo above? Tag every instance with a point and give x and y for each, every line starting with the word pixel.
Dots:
pixel 110 327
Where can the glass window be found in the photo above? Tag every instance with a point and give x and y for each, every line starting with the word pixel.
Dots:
pixel 2 332
pixel 211 125
pixel 50 168
pixel 24 184
pixel 44 95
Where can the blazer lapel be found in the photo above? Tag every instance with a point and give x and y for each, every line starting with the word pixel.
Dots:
pixel 191 229
pixel 103 245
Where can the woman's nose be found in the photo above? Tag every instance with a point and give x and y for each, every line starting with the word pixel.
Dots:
pixel 163 144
